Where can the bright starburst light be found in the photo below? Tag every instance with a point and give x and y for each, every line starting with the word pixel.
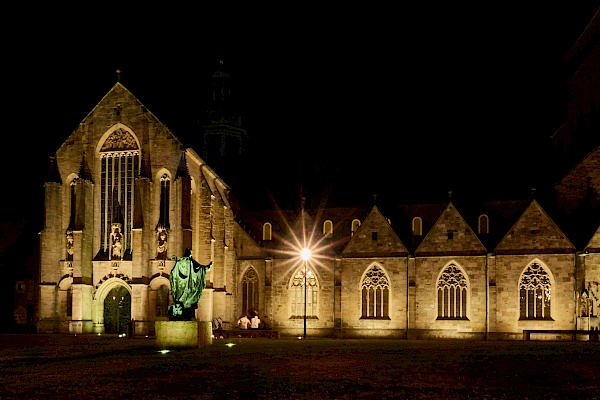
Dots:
pixel 305 254
pixel 303 241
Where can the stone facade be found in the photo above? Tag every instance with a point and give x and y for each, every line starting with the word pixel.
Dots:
pixel 121 158
pixel 366 282
pixel 124 198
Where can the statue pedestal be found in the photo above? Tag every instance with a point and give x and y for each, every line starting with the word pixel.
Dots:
pixel 205 337
pixel 176 334
pixel 182 334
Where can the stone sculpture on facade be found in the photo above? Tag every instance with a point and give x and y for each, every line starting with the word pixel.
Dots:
pixel 188 280
pixel 116 249
pixel 161 248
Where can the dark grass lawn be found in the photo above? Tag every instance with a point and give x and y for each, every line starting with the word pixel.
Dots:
pixel 88 366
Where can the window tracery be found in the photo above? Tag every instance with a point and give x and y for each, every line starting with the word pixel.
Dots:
pixel 452 294
pixel 535 293
pixel 120 164
pixel 375 294
pixel 250 293
pixel 298 293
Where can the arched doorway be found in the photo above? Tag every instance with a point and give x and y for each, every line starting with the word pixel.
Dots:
pixel 117 310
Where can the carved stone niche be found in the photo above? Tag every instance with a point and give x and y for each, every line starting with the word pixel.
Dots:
pixel 69 235
pixel 162 237
pixel 116 244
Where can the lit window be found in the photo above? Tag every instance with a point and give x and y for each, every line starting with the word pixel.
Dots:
pixel 120 164
pixel 417 226
pixel 452 294
pixel 298 294
pixel 328 229
pixel 267 231
pixel 354 227
pixel 535 293
pixel 375 294
pixel 249 290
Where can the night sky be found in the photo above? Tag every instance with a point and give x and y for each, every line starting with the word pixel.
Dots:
pixel 411 100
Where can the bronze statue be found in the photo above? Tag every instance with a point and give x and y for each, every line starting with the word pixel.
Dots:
pixel 188 280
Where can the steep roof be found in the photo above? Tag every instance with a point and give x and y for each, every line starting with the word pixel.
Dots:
pixel 375 238
pixel 534 232
pixel 450 235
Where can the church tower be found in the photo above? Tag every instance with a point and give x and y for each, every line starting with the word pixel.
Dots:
pixel 224 139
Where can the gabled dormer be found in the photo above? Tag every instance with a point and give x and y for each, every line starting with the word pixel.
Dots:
pixel 450 235
pixel 533 233
pixel 375 238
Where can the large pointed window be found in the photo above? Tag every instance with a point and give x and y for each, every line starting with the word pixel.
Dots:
pixel 120 163
pixel 249 290
pixel 72 204
pixel 535 292
pixel 298 294
pixel 375 294
pixel 165 201
pixel 452 293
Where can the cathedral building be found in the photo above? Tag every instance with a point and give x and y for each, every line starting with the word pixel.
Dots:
pixel 124 198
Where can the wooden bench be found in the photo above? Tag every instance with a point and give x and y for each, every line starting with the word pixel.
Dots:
pixel 246 333
pixel 592 333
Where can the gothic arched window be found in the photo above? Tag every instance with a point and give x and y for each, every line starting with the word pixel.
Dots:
pixel 120 164
pixel 165 201
pixel 299 297
pixel 375 299
pixel 250 292
pixel 452 294
pixel 72 204
pixel 535 292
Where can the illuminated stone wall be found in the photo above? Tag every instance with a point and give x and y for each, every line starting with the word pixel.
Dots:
pixel 203 220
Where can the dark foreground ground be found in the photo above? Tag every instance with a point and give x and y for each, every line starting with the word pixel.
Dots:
pixel 80 367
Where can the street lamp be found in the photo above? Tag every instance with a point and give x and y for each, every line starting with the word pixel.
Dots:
pixel 305 254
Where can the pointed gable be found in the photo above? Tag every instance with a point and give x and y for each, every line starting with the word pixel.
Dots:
pixel 594 243
pixel 301 231
pixel 375 237
pixel 450 235
pixel 534 232
pixel 246 247
pixel 118 122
